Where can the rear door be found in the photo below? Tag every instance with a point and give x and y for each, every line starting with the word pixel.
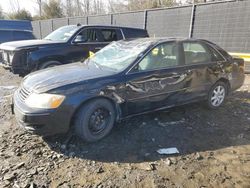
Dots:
pixel 110 34
pixel 204 64
pixel 107 35
pixel 159 80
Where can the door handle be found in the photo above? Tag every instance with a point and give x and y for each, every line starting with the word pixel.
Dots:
pixel 176 76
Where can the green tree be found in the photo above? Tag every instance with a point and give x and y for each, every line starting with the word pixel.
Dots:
pixel 20 15
pixel 53 9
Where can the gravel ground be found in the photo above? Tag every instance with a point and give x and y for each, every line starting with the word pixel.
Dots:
pixel 214 149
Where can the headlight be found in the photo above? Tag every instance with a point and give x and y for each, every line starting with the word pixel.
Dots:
pixel 44 100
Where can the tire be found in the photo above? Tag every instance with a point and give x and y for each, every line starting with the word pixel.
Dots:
pixel 90 122
pixel 49 64
pixel 217 95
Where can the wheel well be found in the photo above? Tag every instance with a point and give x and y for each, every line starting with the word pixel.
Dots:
pixel 116 107
pixel 58 59
pixel 226 81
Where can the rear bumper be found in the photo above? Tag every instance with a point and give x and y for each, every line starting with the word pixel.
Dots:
pixel 247 67
pixel 40 122
pixel 246 57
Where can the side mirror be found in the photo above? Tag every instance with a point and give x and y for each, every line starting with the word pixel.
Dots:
pixel 135 69
pixel 79 39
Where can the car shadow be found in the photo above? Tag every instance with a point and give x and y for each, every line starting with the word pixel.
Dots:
pixel 191 128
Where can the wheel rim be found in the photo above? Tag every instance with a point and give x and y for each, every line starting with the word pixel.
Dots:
pixel 99 120
pixel 218 95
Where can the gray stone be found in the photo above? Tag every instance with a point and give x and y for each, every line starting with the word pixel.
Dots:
pixel 9 176
pixel 19 165
pixel 168 162
pixel 198 156
pixel 100 170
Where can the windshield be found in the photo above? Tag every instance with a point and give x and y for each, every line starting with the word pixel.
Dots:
pixel 119 55
pixel 62 34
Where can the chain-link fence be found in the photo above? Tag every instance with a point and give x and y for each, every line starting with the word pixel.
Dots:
pixel 226 23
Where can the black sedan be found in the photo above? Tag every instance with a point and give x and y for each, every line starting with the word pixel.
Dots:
pixel 124 79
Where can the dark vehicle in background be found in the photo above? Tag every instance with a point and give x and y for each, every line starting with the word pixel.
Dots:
pixel 14 30
pixel 124 79
pixel 65 45
pixel 7 35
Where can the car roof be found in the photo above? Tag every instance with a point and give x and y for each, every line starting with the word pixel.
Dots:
pixel 107 26
pixel 19 30
pixel 15 25
pixel 166 39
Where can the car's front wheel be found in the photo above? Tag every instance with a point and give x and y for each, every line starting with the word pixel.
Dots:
pixel 217 95
pixel 95 120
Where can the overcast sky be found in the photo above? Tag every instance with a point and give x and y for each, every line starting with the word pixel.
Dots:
pixel 29 5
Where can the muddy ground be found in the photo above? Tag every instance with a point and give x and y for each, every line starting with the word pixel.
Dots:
pixel 214 149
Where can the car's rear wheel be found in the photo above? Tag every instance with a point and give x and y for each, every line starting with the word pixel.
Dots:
pixel 49 64
pixel 95 120
pixel 217 95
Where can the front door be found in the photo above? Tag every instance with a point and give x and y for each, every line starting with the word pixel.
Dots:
pixel 159 80
pixel 86 42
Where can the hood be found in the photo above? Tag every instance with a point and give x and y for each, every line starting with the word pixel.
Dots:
pixel 52 78
pixel 24 44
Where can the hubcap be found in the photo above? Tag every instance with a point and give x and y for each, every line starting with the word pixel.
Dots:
pixel 99 120
pixel 218 95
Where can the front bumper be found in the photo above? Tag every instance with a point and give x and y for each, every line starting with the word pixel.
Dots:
pixel 14 70
pixel 40 122
pixel 5 65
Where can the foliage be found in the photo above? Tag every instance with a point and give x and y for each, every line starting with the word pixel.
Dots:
pixel 132 5
pixel 1 13
pixel 53 9
pixel 20 15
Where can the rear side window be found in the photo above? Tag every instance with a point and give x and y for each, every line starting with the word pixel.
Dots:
pixel 196 53
pixel 134 33
pixel 216 55
pixel 20 35
pixel 109 35
pixel 5 36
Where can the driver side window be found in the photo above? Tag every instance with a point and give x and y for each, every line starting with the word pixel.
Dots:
pixel 87 35
pixel 162 56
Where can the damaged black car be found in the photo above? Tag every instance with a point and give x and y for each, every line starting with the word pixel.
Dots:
pixel 124 79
